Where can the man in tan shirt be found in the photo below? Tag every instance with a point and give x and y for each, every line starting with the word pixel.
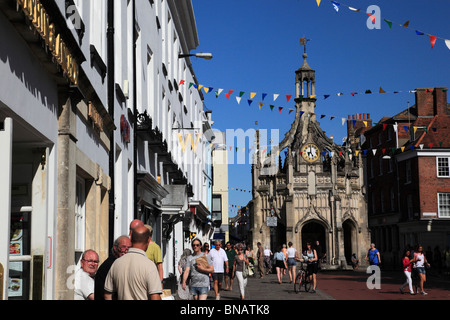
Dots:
pixel 134 276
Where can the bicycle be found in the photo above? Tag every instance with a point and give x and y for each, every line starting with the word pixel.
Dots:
pixel 302 279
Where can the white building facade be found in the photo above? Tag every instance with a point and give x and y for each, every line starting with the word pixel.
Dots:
pixel 97 129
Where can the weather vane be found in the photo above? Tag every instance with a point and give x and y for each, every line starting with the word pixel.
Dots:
pixel 303 42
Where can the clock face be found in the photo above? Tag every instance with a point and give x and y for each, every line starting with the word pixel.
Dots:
pixel 310 152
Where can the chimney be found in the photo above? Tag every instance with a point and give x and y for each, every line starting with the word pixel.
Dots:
pixel 430 102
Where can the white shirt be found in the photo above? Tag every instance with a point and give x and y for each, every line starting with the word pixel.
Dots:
pixel 420 260
pixel 218 258
pixel 291 252
pixel 84 285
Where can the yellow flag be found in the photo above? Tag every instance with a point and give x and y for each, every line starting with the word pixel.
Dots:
pixel 415 129
pixel 200 86
pixel 252 95
pixel 206 89
pixel 365 123
pixel 403 148
pixel 356 152
pixel 318 2
pixel 260 105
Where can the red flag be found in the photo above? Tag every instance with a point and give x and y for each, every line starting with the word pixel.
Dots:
pixel 372 17
pixel 288 97
pixel 279 109
pixel 433 41
pixel 182 82
pixel 229 94
pixel 384 126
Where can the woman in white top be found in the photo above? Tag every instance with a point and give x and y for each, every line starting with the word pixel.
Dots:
pixel 420 261
pixel 292 261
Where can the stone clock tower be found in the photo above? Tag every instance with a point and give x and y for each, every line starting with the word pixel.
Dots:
pixel 317 194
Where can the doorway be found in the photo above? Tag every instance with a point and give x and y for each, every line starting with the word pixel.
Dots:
pixel 312 232
pixel 350 244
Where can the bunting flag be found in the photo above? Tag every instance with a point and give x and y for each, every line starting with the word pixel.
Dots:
pixel 336 5
pixel 318 2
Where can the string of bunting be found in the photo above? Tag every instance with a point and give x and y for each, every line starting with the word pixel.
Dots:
pixel 433 38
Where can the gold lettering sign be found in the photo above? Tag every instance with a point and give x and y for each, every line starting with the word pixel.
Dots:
pixel 35 11
pixel 95 117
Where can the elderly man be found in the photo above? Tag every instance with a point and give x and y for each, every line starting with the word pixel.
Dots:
pixel 120 247
pixel 84 277
pixel 134 276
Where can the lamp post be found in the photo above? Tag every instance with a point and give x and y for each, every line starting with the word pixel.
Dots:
pixel 201 55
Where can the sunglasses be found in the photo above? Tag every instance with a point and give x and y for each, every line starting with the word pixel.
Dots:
pixel 196 245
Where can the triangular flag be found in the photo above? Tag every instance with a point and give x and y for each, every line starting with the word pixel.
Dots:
pixel 395 127
pixel 415 129
pixel 354 122
pixel 421 146
pixel 430 145
pixel 312 96
pixel 356 152
pixel 279 109
pixel 353 9
pixel 383 151
pixel 365 123
pixel 447 43
pixel 275 96
pixel 288 97
pixel 326 96
pixel 406 24
pixel 368 92
pixel 440 144
pixel 372 17
pixel 406 128
pixel 433 41
pixel 322 116
pixel 354 93
pixel 374 151
pixel 335 5
pixel 419 33
pixel 241 94
pixel 252 95
pixel 218 92
pixel 318 2
pixel 403 148
pixel 229 94
pixel 238 100
pixel 249 102
pixel 343 121
pixel 389 23
pixel 260 105
pixel 332 118
pixel 271 107
pixel 381 90
pixel 181 82
pixel 384 126
pixel 301 113
pixel 290 110
pixel 200 86
pixel 264 96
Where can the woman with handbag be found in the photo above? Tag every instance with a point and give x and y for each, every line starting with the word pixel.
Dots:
pixel 240 269
pixel 420 263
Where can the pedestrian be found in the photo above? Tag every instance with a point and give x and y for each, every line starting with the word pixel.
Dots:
pixel 220 263
pixel 420 262
pixel 154 253
pixel 268 259
pixel 407 262
pixel 373 255
pixel 120 247
pixel 199 266
pixel 260 258
pixel 293 257
pixel 240 263
pixel 205 248
pixel 134 276
pixel 251 259
pixel 184 294
pixel 231 253
pixel 312 267
pixel 280 263
pixel 84 277
pixel 284 250
pixel 355 262
pixel 446 257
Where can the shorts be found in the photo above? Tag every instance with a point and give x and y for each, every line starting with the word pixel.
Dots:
pixel 198 291
pixel 291 262
pixel 421 270
pixel 280 264
pixel 313 267
pixel 218 277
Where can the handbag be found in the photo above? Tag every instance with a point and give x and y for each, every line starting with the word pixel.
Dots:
pixel 245 271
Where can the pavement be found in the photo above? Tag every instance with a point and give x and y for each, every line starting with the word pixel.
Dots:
pixel 339 285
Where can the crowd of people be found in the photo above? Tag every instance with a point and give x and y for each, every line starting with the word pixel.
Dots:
pixel 138 274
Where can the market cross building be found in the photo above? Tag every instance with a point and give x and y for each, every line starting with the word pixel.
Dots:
pixel 317 194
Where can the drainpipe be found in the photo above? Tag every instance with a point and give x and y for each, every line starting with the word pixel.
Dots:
pixel 135 112
pixel 110 85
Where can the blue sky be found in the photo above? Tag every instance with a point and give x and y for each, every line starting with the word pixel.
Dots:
pixel 256 48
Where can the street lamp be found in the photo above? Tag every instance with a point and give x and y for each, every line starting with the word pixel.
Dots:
pixel 201 55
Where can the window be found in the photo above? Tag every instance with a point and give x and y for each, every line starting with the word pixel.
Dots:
pixel 444 205
pixel 443 167
pixel 217 207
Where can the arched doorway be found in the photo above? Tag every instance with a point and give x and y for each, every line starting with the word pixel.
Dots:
pixel 350 240
pixel 312 232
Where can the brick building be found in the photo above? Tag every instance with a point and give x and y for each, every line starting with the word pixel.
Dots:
pixel 407 175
